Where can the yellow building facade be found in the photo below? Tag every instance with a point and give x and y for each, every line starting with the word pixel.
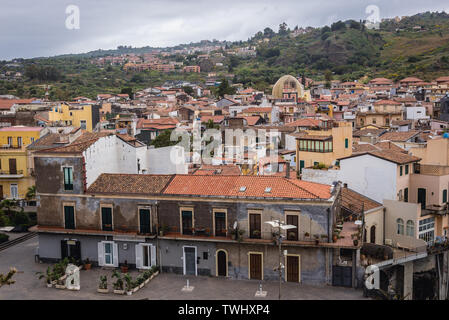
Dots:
pixel 15 176
pixel 79 116
pixel 323 146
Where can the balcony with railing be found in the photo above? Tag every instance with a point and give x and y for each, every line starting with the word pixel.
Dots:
pixel 11 174
pixel 196 233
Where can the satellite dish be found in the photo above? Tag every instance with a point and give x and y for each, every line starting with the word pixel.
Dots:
pixel 235 224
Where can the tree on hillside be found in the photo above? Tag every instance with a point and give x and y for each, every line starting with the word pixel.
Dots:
pixel 283 29
pixel 127 90
pixel 268 32
pixel 225 88
pixel 328 78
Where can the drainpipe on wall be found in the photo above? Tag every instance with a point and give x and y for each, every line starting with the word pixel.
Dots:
pixel 156 206
pixel 383 240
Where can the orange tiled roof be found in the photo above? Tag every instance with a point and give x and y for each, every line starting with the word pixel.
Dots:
pixel 229 186
pixel 399 136
pixel 354 201
pixel 304 123
pixel 146 184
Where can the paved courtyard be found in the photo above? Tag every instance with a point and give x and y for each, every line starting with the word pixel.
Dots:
pixel 164 286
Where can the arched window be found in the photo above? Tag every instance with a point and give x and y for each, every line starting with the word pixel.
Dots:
pixel 372 234
pixel 410 228
pixel 400 224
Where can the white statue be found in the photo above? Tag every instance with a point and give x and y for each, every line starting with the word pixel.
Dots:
pixel 72 281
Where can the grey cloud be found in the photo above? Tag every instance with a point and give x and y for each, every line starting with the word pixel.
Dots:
pixel 30 28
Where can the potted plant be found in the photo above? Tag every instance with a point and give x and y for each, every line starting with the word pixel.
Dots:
pixel 356 242
pixel 128 282
pixel 306 234
pixel 118 284
pixel 256 233
pixel 141 281
pixel 291 235
pixel 103 285
pixel 155 271
pixel 87 264
pixel 48 277
pixel 334 237
pixel 317 238
pixel 124 267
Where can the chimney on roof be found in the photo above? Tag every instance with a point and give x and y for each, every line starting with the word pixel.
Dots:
pixel 287 170
pixel 345 185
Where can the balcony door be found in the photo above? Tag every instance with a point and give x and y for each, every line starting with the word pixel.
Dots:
pixel 422 197
pixel 292 234
pixel 187 221
pixel 144 219
pixel 106 218
pixel 12 166
pixel 220 223
pixel 255 225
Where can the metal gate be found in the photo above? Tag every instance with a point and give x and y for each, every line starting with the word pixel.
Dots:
pixel 342 276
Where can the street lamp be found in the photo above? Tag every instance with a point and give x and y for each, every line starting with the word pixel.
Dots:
pixel 280 225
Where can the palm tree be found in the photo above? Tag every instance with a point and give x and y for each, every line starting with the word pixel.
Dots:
pixel 31 193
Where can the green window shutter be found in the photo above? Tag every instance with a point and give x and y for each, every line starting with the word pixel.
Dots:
pixel 346 143
pixel 406 169
pixel 400 170
pixel 444 195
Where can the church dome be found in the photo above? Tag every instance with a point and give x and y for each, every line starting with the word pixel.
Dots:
pixel 289 83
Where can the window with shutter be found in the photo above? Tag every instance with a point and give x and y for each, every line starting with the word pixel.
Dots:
pixel 68 178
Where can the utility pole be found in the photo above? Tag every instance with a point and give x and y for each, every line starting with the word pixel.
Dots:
pixel 280 254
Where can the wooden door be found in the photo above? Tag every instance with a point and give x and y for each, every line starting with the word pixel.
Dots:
pixel 255 269
pixel 222 263
pixel 254 226
pixel 12 166
pixel 292 268
pixel 220 224
pixel 292 234
pixel 69 217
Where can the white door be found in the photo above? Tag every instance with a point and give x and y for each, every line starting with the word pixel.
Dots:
pixel 145 256
pixel 189 258
pixel 14 191
pixel 108 254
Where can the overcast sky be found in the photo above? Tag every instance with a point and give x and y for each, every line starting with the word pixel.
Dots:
pixel 34 28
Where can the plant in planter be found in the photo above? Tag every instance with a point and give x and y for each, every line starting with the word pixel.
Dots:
pixel 317 238
pixel 356 242
pixel 48 277
pixel 141 281
pixel 103 285
pixel 87 264
pixel 128 283
pixel 306 234
pixel 335 236
pixel 291 235
pixel 118 284
pixel 124 267
pixel 256 233
pixel 163 230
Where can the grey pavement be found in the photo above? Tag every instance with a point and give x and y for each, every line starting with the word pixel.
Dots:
pixel 163 287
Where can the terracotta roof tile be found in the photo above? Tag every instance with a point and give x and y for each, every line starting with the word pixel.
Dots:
pixel 354 201
pixel 230 186
pixel 399 136
pixel 144 184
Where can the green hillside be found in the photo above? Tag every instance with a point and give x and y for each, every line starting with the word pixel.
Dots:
pixel 416 45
